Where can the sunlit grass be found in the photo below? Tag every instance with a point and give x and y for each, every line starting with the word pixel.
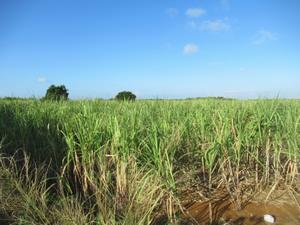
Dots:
pixel 121 161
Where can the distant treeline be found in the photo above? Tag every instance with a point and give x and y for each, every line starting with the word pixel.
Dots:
pixel 211 97
pixel 17 98
pixel 60 92
pixel 102 99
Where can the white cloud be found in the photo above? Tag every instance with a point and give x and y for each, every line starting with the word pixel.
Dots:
pixel 215 25
pixel 263 36
pixel 195 12
pixel 190 49
pixel 41 80
pixel 172 12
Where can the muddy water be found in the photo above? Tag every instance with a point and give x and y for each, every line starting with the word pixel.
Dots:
pixel 284 213
pixel 221 211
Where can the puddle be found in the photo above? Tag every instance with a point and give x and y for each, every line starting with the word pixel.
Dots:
pixel 224 212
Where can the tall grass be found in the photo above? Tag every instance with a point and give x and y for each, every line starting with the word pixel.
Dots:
pixel 126 162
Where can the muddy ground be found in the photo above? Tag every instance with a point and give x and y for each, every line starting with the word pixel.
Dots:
pixel 283 207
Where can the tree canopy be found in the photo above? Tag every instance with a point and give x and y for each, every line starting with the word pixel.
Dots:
pixel 125 96
pixel 57 93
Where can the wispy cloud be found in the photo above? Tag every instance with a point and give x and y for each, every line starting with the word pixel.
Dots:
pixel 195 12
pixel 263 36
pixel 215 25
pixel 193 24
pixel 172 12
pixel 211 25
pixel 41 79
pixel 190 48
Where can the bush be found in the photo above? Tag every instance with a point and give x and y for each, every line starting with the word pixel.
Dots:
pixel 57 93
pixel 125 96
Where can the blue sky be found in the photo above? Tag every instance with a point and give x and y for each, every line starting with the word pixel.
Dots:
pixel 155 48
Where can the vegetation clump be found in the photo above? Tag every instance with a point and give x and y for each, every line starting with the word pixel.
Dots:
pixel 125 96
pixel 57 93
pixel 117 163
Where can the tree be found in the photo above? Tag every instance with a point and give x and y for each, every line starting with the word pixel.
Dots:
pixel 57 93
pixel 125 96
